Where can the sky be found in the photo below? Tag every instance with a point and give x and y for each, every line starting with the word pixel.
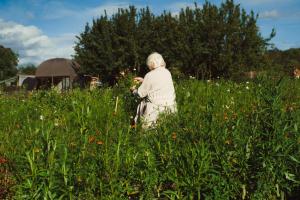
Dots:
pixel 41 29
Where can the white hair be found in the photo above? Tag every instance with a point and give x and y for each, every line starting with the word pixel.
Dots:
pixel 155 60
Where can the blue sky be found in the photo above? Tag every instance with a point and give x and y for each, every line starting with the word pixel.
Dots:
pixel 42 29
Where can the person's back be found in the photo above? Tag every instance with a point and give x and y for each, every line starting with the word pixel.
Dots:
pixel 157 90
pixel 161 89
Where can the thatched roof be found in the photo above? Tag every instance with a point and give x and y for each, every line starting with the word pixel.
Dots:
pixel 57 67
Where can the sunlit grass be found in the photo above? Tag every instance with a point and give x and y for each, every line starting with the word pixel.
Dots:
pixel 228 141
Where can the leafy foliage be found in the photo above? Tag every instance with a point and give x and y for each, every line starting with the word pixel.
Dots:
pixel 284 62
pixel 205 42
pixel 8 63
pixel 228 141
pixel 27 69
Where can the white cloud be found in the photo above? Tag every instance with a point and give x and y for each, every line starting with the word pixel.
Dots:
pixel 32 45
pixel 270 14
pixel 109 8
pixel 261 2
pixel 58 11
pixel 176 7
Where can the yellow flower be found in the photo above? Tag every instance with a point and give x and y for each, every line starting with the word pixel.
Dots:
pixel 100 142
pixel 36 150
pixel 174 136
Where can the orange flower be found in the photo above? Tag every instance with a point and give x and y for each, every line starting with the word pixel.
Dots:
pixel 3 160
pixel 225 116
pixel 98 132
pixel 174 136
pixel 100 142
pixel 92 139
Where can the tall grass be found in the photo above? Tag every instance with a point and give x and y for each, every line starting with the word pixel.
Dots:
pixel 228 141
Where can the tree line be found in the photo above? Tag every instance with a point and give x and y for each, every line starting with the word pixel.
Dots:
pixel 207 41
pixel 284 62
pixel 8 63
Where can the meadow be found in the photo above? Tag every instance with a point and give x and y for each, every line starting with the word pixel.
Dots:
pixel 228 141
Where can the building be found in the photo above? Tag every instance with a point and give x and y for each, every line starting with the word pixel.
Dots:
pixel 57 72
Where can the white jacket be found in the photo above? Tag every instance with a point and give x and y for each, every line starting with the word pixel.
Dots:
pixel 159 93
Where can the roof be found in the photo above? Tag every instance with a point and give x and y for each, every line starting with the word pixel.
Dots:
pixel 57 67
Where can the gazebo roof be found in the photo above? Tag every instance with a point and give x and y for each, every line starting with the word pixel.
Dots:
pixel 57 67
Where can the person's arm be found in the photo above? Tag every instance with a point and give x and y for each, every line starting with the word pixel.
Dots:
pixel 143 90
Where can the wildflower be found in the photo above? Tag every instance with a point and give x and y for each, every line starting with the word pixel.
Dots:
pixel 72 144
pixel 147 153
pixel 225 116
pixel 3 160
pixel 79 179
pixel 234 116
pixel 247 87
pixel 227 107
pixel 56 124
pixel 247 82
pixel 174 136
pixel 228 142
pixel 41 117
pixel 122 73
pixel 36 150
pixel 133 125
pixel 100 142
pixel 192 77
pixel 188 94
pixel 92 139
pixel 228 90
pixel 208 80
pixel 98 132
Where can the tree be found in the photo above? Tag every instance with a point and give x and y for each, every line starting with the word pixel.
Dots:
pixel 8 63
pixel 206 42
pixel 27 69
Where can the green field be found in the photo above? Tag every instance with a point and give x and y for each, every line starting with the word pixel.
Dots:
pixel 228 141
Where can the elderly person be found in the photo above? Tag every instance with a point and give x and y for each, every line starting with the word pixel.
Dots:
pixel 156 90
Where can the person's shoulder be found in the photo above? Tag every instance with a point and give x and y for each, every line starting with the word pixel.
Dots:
pixel 148 75
pixel 166 71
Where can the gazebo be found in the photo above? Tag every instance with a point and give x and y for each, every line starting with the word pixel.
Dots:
pixel 60 72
